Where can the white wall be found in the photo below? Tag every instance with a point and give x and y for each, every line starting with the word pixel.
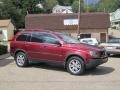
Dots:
pixel 1 35
pixel 10 31
pixel 114 33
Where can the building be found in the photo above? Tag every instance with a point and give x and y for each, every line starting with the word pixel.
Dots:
pixel 115 19
pixel 6 30
pixel 91 24
pixel 62 9
pixel 113 33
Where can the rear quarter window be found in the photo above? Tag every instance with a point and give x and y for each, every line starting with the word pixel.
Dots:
pixel 22 37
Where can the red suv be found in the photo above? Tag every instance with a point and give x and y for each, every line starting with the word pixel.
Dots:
pixel 48 46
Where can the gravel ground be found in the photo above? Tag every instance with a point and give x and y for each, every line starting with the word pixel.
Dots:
pixel 48 77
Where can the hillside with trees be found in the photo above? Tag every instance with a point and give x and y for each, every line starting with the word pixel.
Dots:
pixel 18 9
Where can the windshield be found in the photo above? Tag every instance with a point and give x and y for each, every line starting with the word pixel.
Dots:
pixel 68 39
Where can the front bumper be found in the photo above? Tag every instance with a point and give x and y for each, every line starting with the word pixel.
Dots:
pixel 96 62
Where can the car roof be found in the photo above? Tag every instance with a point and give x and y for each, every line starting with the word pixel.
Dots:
pixel 36 31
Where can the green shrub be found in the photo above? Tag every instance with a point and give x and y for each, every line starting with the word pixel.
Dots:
pixel 3 49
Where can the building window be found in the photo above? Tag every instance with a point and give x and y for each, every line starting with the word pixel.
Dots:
pixel 85 35
pixel 116 22
pixel 0 32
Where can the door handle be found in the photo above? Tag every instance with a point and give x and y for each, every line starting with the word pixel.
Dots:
pixel 44 46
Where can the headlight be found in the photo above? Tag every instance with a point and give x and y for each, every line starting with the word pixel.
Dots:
pixel 94 54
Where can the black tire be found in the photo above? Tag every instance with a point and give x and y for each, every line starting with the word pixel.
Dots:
pixel 78 68
pixel 21 59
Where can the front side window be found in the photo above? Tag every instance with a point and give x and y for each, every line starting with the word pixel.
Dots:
pixel 68 39
pixel 48 38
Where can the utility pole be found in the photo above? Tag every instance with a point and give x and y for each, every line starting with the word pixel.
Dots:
pixel 79 20
pixel 87 6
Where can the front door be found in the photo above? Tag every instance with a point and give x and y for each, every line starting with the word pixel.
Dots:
pixel 43 47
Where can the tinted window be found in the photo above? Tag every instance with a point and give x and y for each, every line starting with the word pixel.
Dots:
pixel 43 38
pixel 28 38
pixel 22 37
pixel 68 39
pixel 37 38
pixel 49 39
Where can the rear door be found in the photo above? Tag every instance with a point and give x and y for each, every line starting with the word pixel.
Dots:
pixel 35 47
pixel 20 42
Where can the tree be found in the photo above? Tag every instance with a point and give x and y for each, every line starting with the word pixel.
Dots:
pixel 17 10
pixel 65 2
pixel 9 11
pixel 90 8
pixel 75 6
pixel 108 5
pixel 49 4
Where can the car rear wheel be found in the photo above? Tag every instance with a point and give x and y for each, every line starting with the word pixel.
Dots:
pixel 75 66
pixel 21 59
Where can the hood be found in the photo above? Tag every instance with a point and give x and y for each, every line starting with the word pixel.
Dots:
pixel 85 47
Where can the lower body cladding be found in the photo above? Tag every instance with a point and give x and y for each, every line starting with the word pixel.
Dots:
pixel 95 62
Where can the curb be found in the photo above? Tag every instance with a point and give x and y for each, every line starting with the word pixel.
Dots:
pixel 4 56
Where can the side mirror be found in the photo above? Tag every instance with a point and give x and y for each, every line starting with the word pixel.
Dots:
pixel 58 43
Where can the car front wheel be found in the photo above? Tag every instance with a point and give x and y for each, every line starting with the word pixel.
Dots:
pixel 75 66
pixel 21 59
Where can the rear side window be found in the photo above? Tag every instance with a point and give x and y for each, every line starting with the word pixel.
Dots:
pixel 43 38
pixel 23 37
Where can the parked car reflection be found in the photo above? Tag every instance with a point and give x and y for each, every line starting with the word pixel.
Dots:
pixel 90 41
pixel 112 46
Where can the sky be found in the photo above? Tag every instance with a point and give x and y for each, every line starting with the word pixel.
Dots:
pixel 91 1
